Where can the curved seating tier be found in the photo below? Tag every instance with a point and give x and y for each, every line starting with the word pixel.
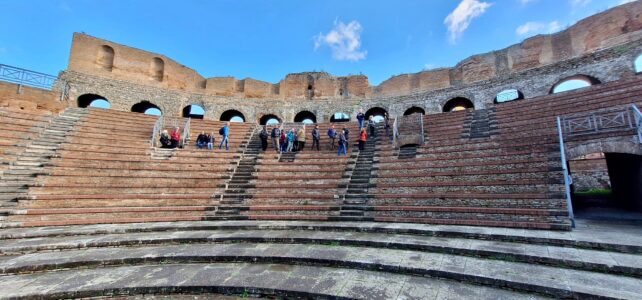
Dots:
pixel 320 260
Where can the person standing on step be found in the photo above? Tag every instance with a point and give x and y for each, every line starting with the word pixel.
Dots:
pixel 283 141
pixel 316 137
pixel 225 132
pixel 332 135
pixel 346 134
pixel 276 134
pixel 360 118
pixel 210 141
pixel 342 144
pixel 264 137
pixel 291 138
pixel 201 140
pixel 363 137
pixel 371 125
pixel 300 137
pixel 386 119
pixel 175 138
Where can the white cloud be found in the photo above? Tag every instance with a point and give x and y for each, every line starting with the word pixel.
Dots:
pixel 344 40
pixel 626 1
pixel 538 27
pixel 459 19
pixel 579 3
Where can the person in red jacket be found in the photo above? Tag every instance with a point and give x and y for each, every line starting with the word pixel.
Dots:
pixel 363 137
pixel 175 137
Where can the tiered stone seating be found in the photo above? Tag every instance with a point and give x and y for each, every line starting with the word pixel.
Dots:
pixel 513 178
pixel 306 188
pixel 105 174
pixel 19 128
pixel 345 260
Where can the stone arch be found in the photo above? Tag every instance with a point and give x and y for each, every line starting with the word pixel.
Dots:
pixel 508 95
pixel 157 69
pixel 105 58
pixel 86 100
pixel 145 106
pixel 457 104
pixel 232 115
pixel 305 115
pixel 377 113
pixel 414 110
pixel 573 82
pixel 339 117
pixel 264 119
pixel 194 111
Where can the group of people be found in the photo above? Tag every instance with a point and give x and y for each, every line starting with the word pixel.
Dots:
pixel 292 140
pixel 171 141
pixel 203 140
pixel 284 141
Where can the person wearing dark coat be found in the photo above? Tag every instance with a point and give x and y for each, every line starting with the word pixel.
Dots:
pixel 264 137
pixel 316 137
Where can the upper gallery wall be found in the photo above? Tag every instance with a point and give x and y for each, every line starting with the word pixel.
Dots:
pixel 103 58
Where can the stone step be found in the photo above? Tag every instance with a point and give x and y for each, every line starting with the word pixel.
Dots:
pixel 351 213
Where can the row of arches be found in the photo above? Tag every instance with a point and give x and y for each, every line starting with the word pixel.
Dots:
pixel 455 104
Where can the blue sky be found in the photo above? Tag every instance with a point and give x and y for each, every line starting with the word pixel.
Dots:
pixel 266 40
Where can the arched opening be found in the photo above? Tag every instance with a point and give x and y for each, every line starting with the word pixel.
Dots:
pixel 573 83
pixel 147 108
pixel 232 116
pixel 457 104
pixel 508 95
pixel 269 119
pixel 157 69
pixel 637 64
pixel 377 113
pixel 340 117
pixel 193 111
pixel 414 110
pixel 607 185
pixel 305 117
pixel 105 59
pixel 93 100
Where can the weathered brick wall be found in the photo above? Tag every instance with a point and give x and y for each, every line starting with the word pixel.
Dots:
pixel 590 174
pixel 30 99
pixel 613 28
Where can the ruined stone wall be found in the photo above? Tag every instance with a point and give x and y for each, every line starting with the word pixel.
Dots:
pixel 30 99
pixel 614 28
pixel 590 174
pixel 606 65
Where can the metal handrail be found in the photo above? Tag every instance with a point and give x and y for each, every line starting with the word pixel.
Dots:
pixel 158 126
pixel 423 139
pixel 395 132
pixel 27 77
pixel 638 121
pixel 186 131
pixel 567 177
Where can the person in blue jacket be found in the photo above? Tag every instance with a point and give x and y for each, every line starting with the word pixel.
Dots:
pixel 225 132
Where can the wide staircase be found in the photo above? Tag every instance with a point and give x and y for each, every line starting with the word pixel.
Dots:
pixel 236 189
pixel 328 260
pixel 355 200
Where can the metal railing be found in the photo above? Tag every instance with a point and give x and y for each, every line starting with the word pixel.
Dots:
pixel 158 127
pixel 598 122
pixel 395 132
pixel 186 132
pixel 27 77
pixel 423 138
pixel 638 121
pixel 567 176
